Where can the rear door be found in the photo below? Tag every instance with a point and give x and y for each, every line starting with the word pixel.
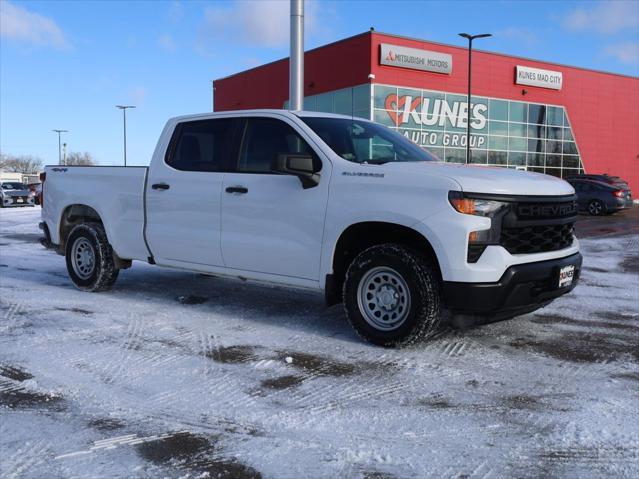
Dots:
pixel 183 194
pixel 270 223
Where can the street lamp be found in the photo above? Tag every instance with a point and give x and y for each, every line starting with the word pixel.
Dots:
pixel 470 39
pixel 123 108
pixel 60 145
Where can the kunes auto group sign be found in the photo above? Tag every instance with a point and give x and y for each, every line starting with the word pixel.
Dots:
pixel 425 113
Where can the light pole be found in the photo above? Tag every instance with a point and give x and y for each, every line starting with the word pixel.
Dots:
pixel 60 144
pixel 123 108
pixel 470 39
pixel 296 58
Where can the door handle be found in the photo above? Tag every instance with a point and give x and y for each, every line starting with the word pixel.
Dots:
pixel 237 189
pixel 160 186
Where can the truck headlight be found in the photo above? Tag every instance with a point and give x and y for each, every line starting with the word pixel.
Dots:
pixel 475 206
pixel 488 208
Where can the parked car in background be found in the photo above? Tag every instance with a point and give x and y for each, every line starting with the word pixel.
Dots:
pixel 610 180
pixel 598 198
pixel 14 193
pixel 38 194
pixel 33 192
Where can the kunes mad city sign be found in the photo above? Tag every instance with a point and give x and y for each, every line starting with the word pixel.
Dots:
pixel 422 113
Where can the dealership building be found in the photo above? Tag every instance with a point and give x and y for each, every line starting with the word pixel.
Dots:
pixel 527 114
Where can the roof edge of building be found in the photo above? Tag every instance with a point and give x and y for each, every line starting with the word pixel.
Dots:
pixel 404 37
pixel 449 45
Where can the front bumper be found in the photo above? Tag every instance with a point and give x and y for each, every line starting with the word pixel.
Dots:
pixel 9 201
pixel 522 288
pixel 448 231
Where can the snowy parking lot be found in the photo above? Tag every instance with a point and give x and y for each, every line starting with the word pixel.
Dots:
pixel 175 374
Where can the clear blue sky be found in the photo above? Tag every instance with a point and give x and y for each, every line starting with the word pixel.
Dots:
pixel 65 64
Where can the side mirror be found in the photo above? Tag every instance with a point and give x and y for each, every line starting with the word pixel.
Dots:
pixel 299 165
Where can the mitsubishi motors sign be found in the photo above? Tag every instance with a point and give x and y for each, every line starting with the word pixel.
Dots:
pixel 415 59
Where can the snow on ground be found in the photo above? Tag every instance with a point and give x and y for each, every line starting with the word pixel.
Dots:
pixel 174 374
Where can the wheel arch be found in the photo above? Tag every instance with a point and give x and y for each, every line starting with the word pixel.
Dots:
pixel 362 235
pixel 73 215
pixel 78 213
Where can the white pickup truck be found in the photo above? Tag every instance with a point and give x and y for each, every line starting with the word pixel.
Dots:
pixel 328 202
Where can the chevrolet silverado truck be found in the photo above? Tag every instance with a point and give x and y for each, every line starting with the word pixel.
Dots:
pixel 329 202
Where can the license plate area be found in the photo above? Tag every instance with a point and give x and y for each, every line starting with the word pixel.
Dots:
pixel 566 275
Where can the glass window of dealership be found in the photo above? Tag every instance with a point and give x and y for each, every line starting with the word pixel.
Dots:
pixel 514 134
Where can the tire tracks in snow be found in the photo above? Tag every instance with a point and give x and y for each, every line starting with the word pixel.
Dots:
pixel 134 360
pixel 24 458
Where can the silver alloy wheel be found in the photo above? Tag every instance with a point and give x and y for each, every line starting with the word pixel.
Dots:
pixel 595 208
pixel 83 258
pixel 383 298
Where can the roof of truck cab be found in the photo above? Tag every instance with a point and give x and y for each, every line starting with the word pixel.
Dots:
pixel 231 113
pixel 322 114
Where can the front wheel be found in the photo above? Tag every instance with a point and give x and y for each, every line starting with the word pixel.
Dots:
pixel 392 296
pixel 89 258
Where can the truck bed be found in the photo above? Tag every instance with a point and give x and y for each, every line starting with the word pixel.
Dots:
pixel 116 193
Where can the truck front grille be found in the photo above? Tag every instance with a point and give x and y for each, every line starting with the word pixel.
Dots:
pixel 537 239
pixel 528 225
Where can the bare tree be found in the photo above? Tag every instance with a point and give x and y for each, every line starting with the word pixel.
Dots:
pixel 76 158
pixel 20 164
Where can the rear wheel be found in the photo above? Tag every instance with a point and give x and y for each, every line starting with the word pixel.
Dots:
pixel 392 296
pixel 89 258
pixel 596 208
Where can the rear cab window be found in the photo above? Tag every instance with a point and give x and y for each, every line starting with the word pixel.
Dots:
pixel 202 145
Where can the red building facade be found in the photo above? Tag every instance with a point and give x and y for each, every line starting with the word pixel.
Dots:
pixel 525 114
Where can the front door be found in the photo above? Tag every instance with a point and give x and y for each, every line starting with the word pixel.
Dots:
pixel 270 223
pixel 582 190
pixel 183 194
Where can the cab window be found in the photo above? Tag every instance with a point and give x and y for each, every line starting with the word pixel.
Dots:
pixel 266 138
pixel 201 145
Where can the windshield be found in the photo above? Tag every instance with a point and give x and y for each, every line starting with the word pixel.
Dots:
pixel 365 142
pixel 13 186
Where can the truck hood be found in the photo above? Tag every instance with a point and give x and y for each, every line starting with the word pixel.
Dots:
pixel 487 179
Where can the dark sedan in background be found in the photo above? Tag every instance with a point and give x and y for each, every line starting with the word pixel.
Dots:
pixel 599 197
pixel 603 178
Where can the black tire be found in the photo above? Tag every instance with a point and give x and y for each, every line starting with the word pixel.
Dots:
pixel 93 240
pixel 423 316
pixel 596 208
